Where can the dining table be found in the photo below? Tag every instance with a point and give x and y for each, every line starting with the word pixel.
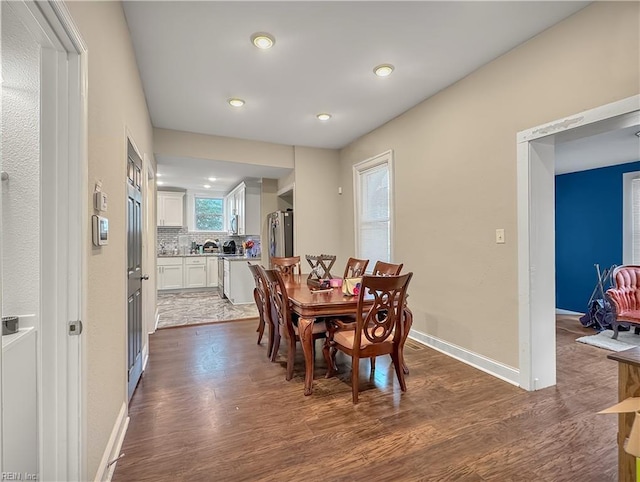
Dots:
pixel 311 303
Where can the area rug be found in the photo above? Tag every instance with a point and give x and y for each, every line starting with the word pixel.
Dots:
pixel 198 307
pixel 626 340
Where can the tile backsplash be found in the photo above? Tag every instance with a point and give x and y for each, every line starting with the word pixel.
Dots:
pixel 169 237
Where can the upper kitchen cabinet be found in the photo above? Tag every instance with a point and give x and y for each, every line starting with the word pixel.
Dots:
pixel 170 208
pixel 244 202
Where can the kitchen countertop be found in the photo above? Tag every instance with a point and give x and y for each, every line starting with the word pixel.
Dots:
pixel 217 255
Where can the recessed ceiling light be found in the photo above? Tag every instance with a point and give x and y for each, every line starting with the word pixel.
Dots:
pixel 207 186
pixel 235 102
pixel 324 116
pixel 263 40
pixel 383 70
pixel 159 175
pixel 212 179
pixel 159 183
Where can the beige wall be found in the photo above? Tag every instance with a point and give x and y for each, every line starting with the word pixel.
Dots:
pixel 316 204
pixel 455 170
pixel 268 204
pixel 200 146
pixel 116 106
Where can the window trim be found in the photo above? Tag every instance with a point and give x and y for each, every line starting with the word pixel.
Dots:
pixel 385 157
pixel 627 215
pixel 197 195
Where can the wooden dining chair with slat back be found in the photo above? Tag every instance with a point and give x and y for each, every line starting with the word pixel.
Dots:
pixel 281 312
pixel 286 265
pixel 379 330
pixel 263 302
pixel 355 268
pixel 386 269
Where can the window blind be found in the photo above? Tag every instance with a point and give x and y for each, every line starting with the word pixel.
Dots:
pixel 374 220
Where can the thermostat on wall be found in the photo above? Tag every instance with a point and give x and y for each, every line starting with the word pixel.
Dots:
pixel 100 231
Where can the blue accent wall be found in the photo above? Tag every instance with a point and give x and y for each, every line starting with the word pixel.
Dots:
pixel 588 230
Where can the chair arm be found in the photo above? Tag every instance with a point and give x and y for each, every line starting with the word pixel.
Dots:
pixel 616 297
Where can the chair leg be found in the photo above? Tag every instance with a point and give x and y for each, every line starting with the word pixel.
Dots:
pixel 271 339
pixel 291 356
pixel 326 352
pixel 355 378
pixel 276 344
pixel 395 356
pixel 616 327
pixel 260 330
pixel 373 364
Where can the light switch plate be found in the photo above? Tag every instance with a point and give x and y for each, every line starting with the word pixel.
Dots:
pixel 499 236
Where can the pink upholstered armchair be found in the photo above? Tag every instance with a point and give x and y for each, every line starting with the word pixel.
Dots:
pixel 625 297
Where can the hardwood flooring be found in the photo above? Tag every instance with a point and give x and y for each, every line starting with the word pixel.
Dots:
pixel 211 407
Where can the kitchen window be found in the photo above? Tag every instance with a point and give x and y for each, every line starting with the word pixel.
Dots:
pixel 208 213
pixel 373 190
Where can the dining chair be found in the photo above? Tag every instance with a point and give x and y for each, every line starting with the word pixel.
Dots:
pixel 281 312
pixel 261 297
pixel 377 331
pixel 355 268
pixel 386 269
pixel 286 265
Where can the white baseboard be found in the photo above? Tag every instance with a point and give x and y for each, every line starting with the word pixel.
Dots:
pixel 145 355
pixel 567 312
pixel 155 327
pixel 112 451
pixel 481 362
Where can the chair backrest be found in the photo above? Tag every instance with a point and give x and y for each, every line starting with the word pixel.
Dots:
pixel 286 265
pixel 627 283
pixel 386 314
pixel 386 269
pixel 355 268
pixel 279 299
pixel 320 266
pixel 261 293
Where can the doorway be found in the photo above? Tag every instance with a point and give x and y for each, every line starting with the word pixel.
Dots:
pixel 536 235
pixel 44 225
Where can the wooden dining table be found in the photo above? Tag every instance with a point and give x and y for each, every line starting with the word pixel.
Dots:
pixel 310 305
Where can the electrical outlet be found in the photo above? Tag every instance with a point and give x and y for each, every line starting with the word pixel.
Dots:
pixel 499 236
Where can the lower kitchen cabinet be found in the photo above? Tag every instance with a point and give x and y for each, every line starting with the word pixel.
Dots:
pixel 170 273
pixel 195 272
pixel 212 271
pixel 238 282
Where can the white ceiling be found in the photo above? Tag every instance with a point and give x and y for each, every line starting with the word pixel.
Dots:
pixel 193 56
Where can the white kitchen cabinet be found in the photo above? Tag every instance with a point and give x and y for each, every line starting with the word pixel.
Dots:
pixel 212 271
pixel 195 272
pixel 170 208
pixel 170 273
pixel 244 201
pixel 238 281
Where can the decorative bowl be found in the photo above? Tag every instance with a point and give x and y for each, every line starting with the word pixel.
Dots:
pixel 335 282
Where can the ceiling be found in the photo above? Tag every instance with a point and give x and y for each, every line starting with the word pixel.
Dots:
pixel 194 56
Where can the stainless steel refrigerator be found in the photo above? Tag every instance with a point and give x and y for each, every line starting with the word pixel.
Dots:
pixel 280 233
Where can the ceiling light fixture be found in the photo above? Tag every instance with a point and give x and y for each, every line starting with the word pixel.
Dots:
pixel 159 175
pixel 383 70
pixel 235 102
pixel 159 183
pixel 263 40
pixel 638 133
pixel 324 116
pixel 211 179
pixel 207 186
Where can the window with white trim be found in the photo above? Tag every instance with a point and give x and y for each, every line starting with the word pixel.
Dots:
pixel 631 218
pixel 208 213
pixel 635 225
pixel 373 190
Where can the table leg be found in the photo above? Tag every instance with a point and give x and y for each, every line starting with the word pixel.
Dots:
pixel 305 331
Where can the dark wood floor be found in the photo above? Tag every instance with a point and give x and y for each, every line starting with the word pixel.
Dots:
pixel 210 407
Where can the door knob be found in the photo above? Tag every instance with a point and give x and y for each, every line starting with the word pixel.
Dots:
pixel 144 277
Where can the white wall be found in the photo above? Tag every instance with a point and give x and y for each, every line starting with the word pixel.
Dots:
pixel 21 160
pixel 117 109
pixel 455 170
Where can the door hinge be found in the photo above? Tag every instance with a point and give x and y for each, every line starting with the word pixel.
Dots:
pixel 75 327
